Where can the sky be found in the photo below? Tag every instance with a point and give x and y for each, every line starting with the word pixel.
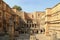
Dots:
pixel 33 5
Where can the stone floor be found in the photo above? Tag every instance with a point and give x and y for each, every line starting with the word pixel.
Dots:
pixel 34 37
pixel 6 37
